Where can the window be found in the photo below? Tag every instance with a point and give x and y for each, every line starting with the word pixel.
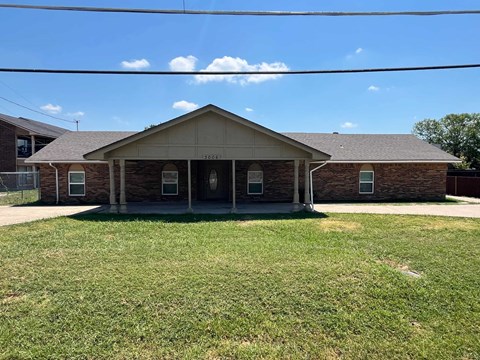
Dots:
pixel 366 182
pixel 169 180
pixel 255 180
pixel 76 183
pixel 24 147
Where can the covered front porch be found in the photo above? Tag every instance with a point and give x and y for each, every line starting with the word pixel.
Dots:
pixel 207 155
pixel 212 186
pixel 205 207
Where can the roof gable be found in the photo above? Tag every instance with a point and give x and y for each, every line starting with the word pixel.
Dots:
pixel 208 133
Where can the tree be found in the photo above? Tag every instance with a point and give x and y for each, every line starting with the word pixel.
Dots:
pixel 457 134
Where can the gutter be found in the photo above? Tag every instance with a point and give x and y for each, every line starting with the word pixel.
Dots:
pixel 66 162
pixel 394 161
pixel 311 183
pixel 56 183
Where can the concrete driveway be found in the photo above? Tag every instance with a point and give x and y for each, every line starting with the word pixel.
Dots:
pixel 457 210
pixel 20 214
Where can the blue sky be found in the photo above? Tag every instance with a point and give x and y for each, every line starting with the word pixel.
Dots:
pixel 356 103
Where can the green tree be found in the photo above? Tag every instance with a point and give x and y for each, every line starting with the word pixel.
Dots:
pixel 457 134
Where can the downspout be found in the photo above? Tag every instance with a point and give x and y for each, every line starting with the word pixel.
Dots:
pixel 56 182
pixel 311 183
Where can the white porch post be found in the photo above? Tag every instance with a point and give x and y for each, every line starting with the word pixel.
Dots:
pixel 123 199
pixel 234 188
pixel 308 205
pixel 189 187
pixel 113 197
pixel 296 199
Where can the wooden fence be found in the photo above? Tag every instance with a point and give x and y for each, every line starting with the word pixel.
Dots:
pixel 463 186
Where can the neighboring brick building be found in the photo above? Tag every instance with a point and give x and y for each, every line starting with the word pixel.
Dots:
pixel 20 138
pixel 213 155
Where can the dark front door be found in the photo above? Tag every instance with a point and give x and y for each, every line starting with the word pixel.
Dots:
pixel 213 180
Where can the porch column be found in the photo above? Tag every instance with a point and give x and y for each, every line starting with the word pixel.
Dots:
pixel 234 188
pixel 113 197
pixel 123 200
pixel 189 210
pixel 32 139
pixel 308 205
pixel 296 199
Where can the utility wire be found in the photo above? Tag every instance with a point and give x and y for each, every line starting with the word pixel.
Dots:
pixel 241 12
pixel 287 72
pixel 39 112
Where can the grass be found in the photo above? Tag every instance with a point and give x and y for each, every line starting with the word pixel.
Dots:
pixel 20 197
pixel 241 287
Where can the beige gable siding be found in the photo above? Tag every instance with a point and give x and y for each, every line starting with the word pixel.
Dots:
pixel 209 136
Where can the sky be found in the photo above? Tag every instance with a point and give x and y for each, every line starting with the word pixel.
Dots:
pixel 347 103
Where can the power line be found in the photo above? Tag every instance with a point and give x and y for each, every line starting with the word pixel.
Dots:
pixel 241 12
pixel 39 112
pixel 274 72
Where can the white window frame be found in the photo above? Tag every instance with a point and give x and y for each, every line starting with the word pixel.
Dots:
pixel 76 183
pixel 360 182
pixel 254 182
pixel 170 183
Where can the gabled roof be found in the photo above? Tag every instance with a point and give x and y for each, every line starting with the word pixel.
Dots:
pixel 34 127
pixel 374 147
pixel 100 152
pixel 71 146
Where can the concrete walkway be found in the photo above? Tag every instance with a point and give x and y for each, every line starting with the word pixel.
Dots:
pixel 20 214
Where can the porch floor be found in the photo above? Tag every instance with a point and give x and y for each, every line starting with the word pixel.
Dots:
pixel 202 207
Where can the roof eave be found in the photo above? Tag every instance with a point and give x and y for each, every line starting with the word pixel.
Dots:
pixel 394 161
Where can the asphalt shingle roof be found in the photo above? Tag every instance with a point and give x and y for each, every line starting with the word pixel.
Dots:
pixel 34 127
pixel 372 147
pixel 72 145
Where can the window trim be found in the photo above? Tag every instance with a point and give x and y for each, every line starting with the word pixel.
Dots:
pixel 176 183
pixel 77 183
pixel 254 182
pixel 360 182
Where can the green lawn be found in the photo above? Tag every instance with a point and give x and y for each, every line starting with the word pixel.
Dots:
pixel 239 287
pixel 19 197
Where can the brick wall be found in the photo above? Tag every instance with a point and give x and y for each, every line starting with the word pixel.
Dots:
pixel 334 182
pixel 96 184
pixel 277 181
pixel 8 147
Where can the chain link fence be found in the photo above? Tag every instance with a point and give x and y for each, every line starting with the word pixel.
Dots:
pixel 19 187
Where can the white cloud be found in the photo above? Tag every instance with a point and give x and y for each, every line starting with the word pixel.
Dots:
pixel 184 105
pixel 182 63
pixel 76 114
pixel 247 109
pixel 136 64
pixel 358 51
pixel 52 109
pixel 228 63
pixel 348 125
pixel 373 88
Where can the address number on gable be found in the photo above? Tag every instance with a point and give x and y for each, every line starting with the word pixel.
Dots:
pixel 212 156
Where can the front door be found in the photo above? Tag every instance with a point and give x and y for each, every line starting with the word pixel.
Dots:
pixel 213 180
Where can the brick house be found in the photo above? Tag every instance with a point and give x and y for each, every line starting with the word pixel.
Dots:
pixel 20 138
pixel 214 155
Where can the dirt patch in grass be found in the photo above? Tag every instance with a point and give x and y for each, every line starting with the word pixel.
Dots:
pixel 328 225
pixel 403 268
pixel 447 224
pixel 12 297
